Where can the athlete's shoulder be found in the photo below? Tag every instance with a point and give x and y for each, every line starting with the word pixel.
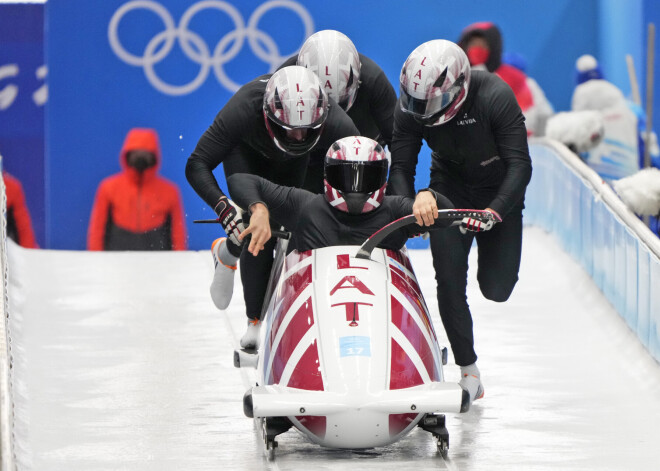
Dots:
pixel 254 89
pixel 370 72
pixel 397 201
pixel 368 65
pixel 245 104
pixel 489 91
pixel 339 119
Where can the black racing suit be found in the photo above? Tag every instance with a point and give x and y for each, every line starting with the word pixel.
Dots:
pixel 238 139
pixel 373 109
pixel 480 159
pixel 314 223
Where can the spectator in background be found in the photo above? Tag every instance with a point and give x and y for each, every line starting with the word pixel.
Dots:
pixel 607 131
pixel 482 42
pixel 136 209
pixel 621 152
pixel 19 224
pixel 537 115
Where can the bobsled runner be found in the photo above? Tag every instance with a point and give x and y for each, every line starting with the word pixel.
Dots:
pixel 348 354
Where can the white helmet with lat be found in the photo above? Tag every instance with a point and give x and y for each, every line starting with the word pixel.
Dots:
pixel 355 171
pixel 434 82
pixel 295 109
pixel 332 56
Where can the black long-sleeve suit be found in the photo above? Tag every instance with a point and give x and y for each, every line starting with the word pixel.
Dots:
pixel 238 139
pixel 480 159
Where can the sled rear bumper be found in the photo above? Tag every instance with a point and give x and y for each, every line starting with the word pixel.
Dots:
pixel 278 401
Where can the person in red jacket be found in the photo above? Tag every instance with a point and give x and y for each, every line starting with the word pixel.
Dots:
pixel 482 42
pixel 19 224
pixel 136 209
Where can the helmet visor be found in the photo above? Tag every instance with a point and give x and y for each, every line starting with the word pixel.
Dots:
pixel 296 140
pixel 433 107
pixel 356 177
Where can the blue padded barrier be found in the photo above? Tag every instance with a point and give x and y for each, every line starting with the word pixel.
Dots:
pixel 596 228
pixel 654 308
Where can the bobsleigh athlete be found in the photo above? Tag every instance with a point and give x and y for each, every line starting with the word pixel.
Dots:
pixel 273 126
pixel 474 126
pixel 352 207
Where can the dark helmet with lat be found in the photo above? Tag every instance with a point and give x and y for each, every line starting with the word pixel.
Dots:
pixel 355 170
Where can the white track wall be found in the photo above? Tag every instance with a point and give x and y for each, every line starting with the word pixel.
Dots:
pixel 6 402
pixel 594 226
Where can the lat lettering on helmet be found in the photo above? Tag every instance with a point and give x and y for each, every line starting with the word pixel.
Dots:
pixel 418 74
pixel 352 311
pixel 328 85
pixel 300 103
pixel 353 282
pixel 327 72
pixel 344 262
pixel 357 145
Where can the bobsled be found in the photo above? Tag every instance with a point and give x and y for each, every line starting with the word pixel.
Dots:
pixel 348 354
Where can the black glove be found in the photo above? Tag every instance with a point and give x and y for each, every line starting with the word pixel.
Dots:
pixel 231 218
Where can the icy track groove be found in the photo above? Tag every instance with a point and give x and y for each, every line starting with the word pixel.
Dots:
pixel 121 362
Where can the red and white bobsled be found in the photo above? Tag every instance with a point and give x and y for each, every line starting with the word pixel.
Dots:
pixel 348 352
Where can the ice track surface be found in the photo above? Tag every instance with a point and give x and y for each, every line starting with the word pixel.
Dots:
pixel 121 362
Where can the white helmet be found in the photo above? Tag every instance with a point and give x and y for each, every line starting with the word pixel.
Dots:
pixel 333 57
pixel 434 82
pixel 295 109
pixel 355 175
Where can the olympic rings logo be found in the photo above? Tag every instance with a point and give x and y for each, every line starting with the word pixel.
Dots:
pixel 196 49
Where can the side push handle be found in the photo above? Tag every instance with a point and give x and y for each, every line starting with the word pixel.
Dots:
pixel 455 215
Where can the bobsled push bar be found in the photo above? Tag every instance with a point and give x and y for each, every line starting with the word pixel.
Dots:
pixel 278 401
pixel 456 215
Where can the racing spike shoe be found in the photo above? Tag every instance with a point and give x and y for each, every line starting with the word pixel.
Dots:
pixel 471 381
pixel 250 339
pixel 222 286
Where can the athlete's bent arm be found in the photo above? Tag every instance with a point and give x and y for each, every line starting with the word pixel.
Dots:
pixel 282 203
pixel 406 143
